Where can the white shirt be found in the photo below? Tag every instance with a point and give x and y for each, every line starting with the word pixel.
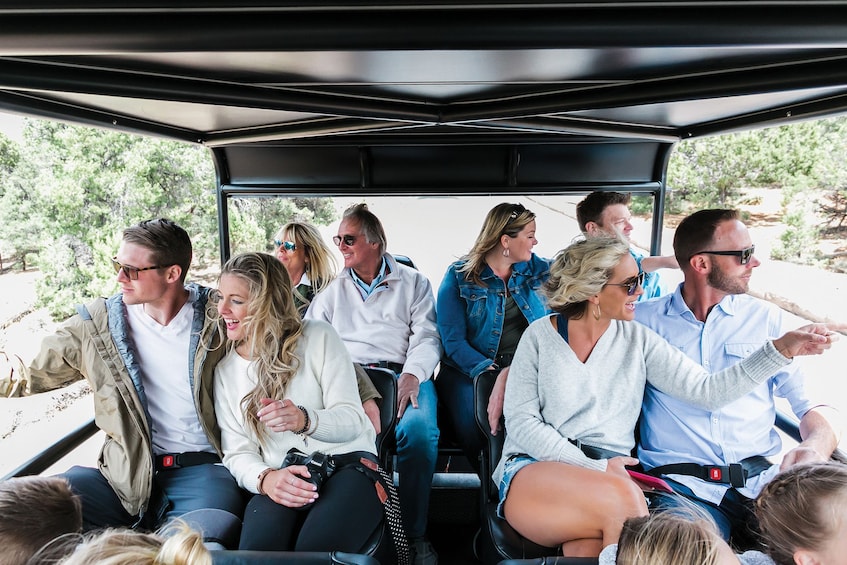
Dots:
pixel 162 353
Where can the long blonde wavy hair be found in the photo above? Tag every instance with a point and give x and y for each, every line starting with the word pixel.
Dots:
pixel 272 328
pixel 504 219
pixel 321 265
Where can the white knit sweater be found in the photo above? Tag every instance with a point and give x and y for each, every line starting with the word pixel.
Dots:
pixel 324 384
pixel 552 396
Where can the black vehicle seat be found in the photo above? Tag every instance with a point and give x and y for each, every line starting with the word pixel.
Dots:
pixel 243 557
pixel 497 540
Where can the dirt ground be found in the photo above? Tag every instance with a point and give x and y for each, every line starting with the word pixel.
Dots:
pixel 806 293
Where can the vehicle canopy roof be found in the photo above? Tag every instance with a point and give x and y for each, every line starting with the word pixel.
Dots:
pixel 405 97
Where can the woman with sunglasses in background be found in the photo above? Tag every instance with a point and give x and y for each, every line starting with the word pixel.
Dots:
pixel 308 260
pixel 311 267
pixel 574 395
pixel 485 302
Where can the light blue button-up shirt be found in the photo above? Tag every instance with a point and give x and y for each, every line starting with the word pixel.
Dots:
pixel 673 431
pixel 366 289
pixel 652 286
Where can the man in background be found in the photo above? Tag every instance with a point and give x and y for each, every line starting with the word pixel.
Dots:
pixel 607 213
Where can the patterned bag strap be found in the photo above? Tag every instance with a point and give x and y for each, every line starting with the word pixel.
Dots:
pixel 391 502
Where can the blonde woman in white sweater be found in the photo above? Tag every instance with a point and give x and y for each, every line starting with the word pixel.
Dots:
pixel 287 383
pixel 574 395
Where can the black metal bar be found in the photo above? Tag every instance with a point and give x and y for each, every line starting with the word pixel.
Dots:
pixel 355 189
pixel 55 452
pixel 101 27
pixel 744 80
pixel 658 220
pixel 43 107
pixel 75 77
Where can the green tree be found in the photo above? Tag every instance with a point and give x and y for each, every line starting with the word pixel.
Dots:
pixel 15 235
pixel 72 190
pixel 255 221
pixel 89 185
pixel 710 172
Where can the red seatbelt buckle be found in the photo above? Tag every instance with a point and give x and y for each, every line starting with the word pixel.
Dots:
pixel 715 474
pixel 167 461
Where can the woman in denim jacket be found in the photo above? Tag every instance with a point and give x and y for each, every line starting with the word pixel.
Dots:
pixel 485 302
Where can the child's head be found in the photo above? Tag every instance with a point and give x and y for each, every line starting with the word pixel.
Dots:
pixel 802 514
pixel 33 512
pixel 176 545
pixel 676 536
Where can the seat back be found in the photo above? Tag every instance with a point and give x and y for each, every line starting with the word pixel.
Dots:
pixel 497 540
pixel 386 384
pixel 404 260
pixel 552 561
pixel 492 445
pixel 244 557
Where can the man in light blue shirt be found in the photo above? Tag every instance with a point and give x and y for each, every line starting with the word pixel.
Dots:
pixel 711 318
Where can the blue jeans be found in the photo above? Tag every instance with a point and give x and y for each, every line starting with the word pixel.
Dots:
pixel 734 516
pixel 456 395
pixel 417 450
pixel 186 489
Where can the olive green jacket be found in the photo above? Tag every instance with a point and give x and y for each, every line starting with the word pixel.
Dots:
pixel 94 345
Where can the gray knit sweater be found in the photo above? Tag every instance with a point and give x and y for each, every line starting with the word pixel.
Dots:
pixel 552 396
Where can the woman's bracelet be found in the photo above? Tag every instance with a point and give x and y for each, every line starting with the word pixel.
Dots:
pixel 306 422
pixel 262 476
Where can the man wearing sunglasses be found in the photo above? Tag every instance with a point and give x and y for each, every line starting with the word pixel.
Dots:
pixel 385 314
pixel 721 459
pixel 150 363
pixel 607 213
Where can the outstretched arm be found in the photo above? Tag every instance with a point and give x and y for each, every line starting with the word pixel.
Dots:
pixel 652 263
pixel 812 339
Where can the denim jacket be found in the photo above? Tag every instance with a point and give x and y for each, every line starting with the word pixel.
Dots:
pixel 470 316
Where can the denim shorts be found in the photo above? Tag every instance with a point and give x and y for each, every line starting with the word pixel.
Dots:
pixel 510 468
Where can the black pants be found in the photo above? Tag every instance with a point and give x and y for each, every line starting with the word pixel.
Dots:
pixel 343 518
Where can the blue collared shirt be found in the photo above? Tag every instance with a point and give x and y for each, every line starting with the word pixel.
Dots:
pixel 652 286
pixel 364 288
pixel 673 431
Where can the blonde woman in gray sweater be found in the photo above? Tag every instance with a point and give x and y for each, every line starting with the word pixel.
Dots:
pixel 574 394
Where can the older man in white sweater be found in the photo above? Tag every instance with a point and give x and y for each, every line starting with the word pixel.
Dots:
pixel 385 314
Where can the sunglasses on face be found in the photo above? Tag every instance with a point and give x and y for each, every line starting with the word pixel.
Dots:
pixel 287 245
pixel 131 272
pixel 347 239
pixel 743 254
pixel 631 284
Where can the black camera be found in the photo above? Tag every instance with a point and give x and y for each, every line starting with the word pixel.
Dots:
pixel 320 465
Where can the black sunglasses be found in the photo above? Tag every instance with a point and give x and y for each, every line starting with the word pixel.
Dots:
pixel 131 272
pixel 347 239
pixel 631 284
pixel 516 210
pixel 287 245
pixel 744 254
